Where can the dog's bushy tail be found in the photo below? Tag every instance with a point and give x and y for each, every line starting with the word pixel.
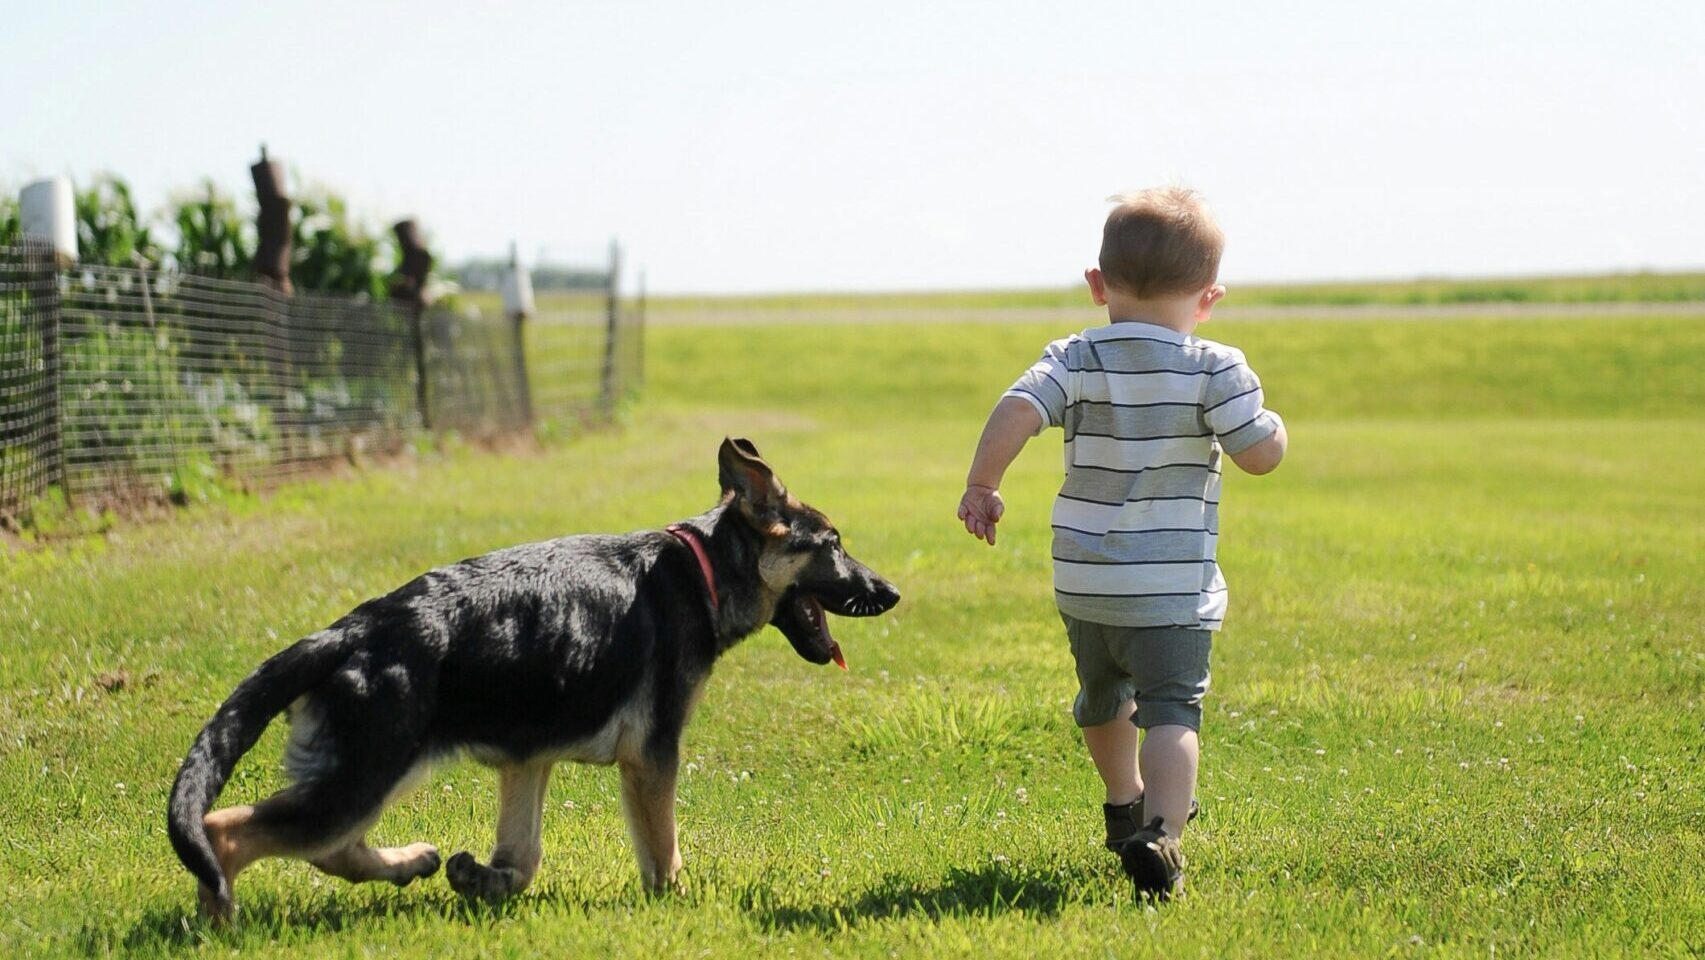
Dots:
pixel 240 721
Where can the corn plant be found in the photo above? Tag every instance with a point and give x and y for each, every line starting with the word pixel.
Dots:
pixel 110 232
pixel 213 238
pixel 331 252
pixel 10 229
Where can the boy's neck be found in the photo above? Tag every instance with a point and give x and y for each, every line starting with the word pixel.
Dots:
pixel 1173 313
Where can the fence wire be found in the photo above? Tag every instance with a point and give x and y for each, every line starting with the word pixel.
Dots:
pixel 119 384
pixel 29 435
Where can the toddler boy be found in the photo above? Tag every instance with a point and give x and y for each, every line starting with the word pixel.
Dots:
pixel 1147 410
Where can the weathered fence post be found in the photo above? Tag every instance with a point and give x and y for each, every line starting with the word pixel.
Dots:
pixel 517 305
pixel 408 287
pixel 613 310
pixel 272 266
pixel 272 224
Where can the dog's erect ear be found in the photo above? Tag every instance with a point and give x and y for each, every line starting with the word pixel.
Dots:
pixel 742 471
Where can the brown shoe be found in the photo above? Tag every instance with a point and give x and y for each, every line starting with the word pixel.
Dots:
pixel 1154 861
pixel 1122 820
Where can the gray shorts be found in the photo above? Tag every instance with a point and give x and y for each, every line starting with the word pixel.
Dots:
pixel 1164 669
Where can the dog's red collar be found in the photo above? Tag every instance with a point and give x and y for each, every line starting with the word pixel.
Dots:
pixel 691 539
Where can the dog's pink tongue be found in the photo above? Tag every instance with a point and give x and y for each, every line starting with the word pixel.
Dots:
pixel 835 652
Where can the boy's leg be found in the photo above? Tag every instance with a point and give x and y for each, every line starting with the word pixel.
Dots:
pixel 1169 758
pixel 1103 710
pixel 1170 666
pixel 1113 747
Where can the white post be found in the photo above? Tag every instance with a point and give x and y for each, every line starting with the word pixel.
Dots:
pixel 46 210
pixel 517 287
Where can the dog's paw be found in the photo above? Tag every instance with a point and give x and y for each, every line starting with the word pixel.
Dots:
pixel 424 862
pixel 474 880
pixel 217 912
pixel 463 872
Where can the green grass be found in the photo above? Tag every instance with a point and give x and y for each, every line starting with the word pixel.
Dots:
pixel 1609 288
pixel 1457 710
pixel 1585 288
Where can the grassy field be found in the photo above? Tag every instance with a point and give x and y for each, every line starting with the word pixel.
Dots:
pixel 1458 710
pixel 1610 288
pixel 1603 288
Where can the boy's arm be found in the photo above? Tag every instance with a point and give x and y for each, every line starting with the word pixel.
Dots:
pixel 1234 408
pixel 1012 423
pixel 1263 457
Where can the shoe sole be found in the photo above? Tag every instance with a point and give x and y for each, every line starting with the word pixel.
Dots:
pixel 1147 869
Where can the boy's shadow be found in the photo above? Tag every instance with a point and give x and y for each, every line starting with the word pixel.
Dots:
pixel 988 889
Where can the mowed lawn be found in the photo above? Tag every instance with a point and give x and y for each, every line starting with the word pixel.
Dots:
pixel 1457 709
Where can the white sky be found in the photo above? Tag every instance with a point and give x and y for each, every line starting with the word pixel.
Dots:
pixel 903 145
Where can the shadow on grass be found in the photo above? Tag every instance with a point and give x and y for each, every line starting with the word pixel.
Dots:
pixel 270 918
pixel 986 891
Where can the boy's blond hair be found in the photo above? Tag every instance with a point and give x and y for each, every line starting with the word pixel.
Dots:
pixel 1160 242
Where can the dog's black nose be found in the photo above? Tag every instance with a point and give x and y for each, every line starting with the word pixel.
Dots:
pixel 887 595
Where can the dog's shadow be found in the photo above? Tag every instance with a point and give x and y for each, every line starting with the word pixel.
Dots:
pixel 987 890
pixel 984 891
pixel 174 929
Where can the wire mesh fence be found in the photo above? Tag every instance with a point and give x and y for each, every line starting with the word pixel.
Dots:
pixel 476 373
pixel 565 345
pixel 29 434
pixel 122 384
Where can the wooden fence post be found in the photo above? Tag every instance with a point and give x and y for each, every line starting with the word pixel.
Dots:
pixel 517 304
pixel 408 287
pixel 272 224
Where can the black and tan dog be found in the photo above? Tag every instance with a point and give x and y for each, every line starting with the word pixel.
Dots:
pixel 587 648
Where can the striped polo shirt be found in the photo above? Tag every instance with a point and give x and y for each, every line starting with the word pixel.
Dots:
pixel 1147 411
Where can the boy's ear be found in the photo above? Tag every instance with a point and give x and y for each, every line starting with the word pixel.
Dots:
pixel 1097 286
pixel 742 472
pixel 1210 296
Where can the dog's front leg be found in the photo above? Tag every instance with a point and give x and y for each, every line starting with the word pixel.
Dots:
pixel 516 857
pixel 648 799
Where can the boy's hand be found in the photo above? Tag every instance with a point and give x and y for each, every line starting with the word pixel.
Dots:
pixel 981 508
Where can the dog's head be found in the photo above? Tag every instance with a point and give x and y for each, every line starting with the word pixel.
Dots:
pixel 801 559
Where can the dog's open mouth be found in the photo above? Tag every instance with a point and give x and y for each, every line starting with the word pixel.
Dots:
pixel 802 619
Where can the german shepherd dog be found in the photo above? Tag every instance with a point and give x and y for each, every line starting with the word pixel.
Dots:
pixel 588 648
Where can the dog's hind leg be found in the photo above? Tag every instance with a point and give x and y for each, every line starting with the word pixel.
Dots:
pixel 648 800
pixel 515 859
pixel 359 863
pixel 311 821
pixel 370 740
